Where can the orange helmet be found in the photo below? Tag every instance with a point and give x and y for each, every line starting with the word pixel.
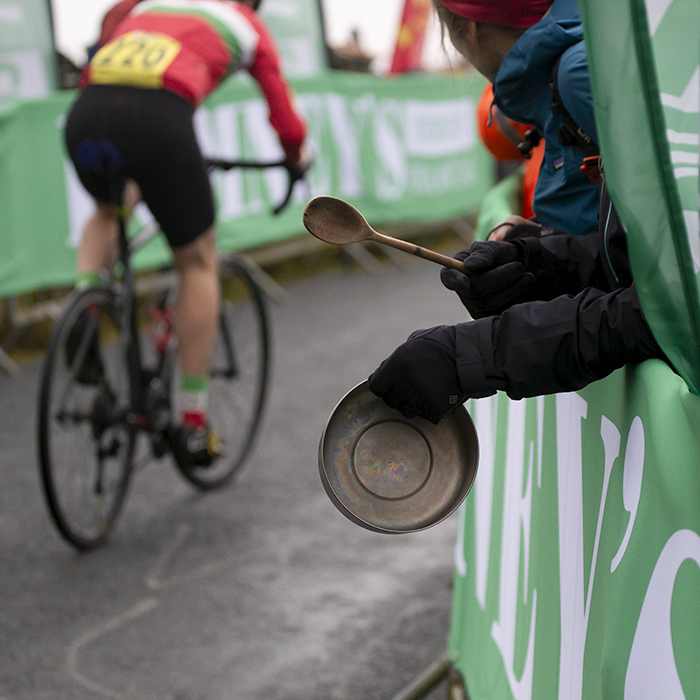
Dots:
pixel 504 135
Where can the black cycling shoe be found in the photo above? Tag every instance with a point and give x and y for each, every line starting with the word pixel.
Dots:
pixel 91 370
pixel 194 447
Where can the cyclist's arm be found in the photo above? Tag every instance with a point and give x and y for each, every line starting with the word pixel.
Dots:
pixel 284 118
pixel 114 17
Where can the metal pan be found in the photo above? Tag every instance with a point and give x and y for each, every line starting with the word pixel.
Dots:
pixel 391 474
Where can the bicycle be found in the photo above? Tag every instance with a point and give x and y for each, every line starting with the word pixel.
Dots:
pixel 87 432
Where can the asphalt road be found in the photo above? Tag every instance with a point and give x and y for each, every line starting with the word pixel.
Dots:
pixel 258 592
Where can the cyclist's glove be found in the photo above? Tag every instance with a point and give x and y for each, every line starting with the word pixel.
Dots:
pixel 303 164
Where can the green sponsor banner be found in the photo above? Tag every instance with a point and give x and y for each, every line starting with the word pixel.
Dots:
pixel 401 150
pixel 27 59
pixel 578 553
pixel 578 557
pixel 646 84
pixel 298 30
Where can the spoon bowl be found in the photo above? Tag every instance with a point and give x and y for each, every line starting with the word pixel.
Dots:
pixel 335 221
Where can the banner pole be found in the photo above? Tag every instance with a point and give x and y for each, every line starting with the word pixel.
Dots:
pixel 326 47
pixel 49 14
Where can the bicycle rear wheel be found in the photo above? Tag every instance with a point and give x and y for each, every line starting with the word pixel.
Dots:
pixel 86 445
pixel 238 375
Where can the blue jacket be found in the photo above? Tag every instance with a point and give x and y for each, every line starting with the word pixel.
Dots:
pixel 564 197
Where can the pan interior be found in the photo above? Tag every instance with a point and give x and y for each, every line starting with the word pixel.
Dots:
pixel 390 474
pixel 392 459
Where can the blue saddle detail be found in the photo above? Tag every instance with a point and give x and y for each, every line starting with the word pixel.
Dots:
pixel 103 160
pixel 99 157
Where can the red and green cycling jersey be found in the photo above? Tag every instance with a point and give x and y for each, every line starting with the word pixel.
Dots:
pixel 189 47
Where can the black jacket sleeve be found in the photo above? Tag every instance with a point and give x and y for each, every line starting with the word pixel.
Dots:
pixel 566 264
pixel 563 264
pixel 554 346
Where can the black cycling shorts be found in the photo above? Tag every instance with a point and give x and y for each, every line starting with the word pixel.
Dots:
pixel 154 132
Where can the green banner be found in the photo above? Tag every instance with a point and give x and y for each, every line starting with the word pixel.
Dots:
pixel 27 58
pixel 646 87
pixel 498 203
pixel 401 150
pixel 578 557
pixel 578 553
pixel 298 30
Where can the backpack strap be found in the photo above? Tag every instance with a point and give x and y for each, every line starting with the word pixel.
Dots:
pixel 570 133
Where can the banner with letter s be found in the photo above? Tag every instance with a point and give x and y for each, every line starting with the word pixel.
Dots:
pixel 402 150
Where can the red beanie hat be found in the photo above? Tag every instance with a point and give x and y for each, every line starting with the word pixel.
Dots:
pixel 507 13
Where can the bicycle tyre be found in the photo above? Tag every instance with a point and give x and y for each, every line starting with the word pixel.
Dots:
pixel 237 394
pixel 86 446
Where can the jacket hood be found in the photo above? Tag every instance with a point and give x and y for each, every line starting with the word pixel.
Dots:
pixel 527 68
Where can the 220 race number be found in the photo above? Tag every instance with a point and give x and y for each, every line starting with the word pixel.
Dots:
pixel 135 58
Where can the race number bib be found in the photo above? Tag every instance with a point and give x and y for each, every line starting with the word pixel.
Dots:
pixel 135 58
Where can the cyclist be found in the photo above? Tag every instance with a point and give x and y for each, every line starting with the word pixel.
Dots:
pixel 155 62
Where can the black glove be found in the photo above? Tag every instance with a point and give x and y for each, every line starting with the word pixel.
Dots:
pixel 420 377
pixel 298 169
pixel 494 280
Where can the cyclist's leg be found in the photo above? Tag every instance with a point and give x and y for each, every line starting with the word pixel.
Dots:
pixel 237 375
pixel 99 247
pixel 196 323
pixel 163 156
pixel 197 306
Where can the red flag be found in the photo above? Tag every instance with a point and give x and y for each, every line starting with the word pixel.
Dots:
pixel 409 42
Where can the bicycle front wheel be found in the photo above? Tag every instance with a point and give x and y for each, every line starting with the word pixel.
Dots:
pixel 238 375
pixel 86 445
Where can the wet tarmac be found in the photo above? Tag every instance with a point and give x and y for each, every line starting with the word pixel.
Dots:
pixel 262 591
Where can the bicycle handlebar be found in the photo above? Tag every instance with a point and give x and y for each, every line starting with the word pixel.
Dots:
pixel 294 174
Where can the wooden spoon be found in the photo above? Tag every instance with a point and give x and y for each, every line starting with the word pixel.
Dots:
pixel 335 221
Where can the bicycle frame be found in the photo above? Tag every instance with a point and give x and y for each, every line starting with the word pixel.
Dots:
pixel 85 396
pixel 137 417
pixel 140 416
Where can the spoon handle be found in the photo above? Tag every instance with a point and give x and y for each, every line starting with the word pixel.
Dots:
pixel 414 249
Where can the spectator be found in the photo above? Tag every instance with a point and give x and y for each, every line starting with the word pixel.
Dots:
pixel 520 46
pixel 553 311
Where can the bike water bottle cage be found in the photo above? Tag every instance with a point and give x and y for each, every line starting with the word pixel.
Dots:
pixel 571 134
pixel 103 160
